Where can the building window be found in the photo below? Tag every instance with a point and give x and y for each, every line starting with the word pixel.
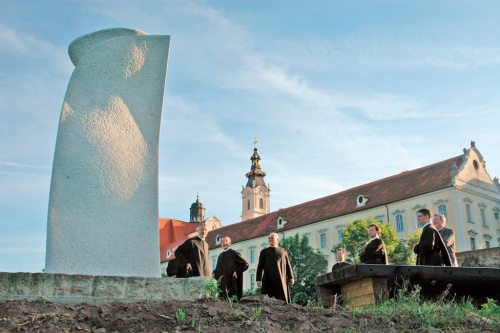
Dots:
pixel 442 210
pixel 472 243
pixel 497 217
pixel 400 226
pixel 468 213
pixel 252 256
pixel 339 234
pixel 322 241
pixel 381 222
pixel 169 253
pixel 248 204
pixel 487 243
pixel 483 217
pixel 261 203
pixel 252 281
pixel 214 263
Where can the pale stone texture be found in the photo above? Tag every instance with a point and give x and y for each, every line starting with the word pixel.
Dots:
pixel 103 205
pixel 99 289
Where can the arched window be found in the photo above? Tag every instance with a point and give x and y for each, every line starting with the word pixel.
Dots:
pixel 483 218
pixel 261 203
pixel 400 226
pixel 468 213
pixel 442 210
pixel 248 204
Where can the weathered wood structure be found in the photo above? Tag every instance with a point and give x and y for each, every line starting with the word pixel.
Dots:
pixel 364 284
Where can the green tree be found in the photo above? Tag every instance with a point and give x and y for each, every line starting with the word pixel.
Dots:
pixel 355 237
pixel 307 264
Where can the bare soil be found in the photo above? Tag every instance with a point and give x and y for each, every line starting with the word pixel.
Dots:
pixel 253 314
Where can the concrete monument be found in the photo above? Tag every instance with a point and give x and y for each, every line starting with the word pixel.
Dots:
pixel 103 205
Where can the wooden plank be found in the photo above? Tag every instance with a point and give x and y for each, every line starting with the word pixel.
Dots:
pixel 362 301
pixel 357 288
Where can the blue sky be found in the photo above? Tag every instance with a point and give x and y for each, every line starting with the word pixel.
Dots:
pixel 338 94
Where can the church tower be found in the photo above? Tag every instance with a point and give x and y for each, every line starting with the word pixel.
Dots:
pixel 197 211
pixel 256 195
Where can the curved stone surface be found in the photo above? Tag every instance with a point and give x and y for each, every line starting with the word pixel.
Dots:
pixel 80 46
pixel 103 205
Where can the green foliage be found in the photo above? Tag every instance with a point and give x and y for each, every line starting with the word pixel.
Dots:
pixel 306 265
pixel 355 237
pixel 252 292
pixel 255 313
pixel 196 325
pixel 212 289
pixel 181 317
pixel 491 310
pixel 408 307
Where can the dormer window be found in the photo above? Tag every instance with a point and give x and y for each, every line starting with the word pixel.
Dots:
pixel 218 239
pixel 281 222
pixel 169 253
pixel 361 200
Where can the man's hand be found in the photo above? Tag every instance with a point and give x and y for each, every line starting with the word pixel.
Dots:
pixel 188 266
pixel 235 275
pixel 259 284
pixel 292 282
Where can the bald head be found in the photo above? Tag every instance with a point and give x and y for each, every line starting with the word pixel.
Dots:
pixel 226 243
pixel 273 239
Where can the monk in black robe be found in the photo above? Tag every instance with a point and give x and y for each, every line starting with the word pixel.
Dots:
pixel 374 252
pixel 277 269
pixel 173 268
pixel 341 263
pixel 229 269
pixel 431 249
pixel 192 255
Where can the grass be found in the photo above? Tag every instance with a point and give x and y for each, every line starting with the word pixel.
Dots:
pixel 444 313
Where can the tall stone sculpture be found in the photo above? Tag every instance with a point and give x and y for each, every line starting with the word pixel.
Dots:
pixel 103 205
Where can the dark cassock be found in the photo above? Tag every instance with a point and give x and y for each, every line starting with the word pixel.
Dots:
pixel 448 237
pixel 193 251
pixel 340 265
pixel 374 253
pixel 173 268
pixel 228 263
pixel 277 269
pixel 431 250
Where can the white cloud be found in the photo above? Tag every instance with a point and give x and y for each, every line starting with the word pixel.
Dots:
pixel 24 165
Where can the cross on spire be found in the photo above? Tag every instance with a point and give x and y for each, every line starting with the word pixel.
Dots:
pixel 255 142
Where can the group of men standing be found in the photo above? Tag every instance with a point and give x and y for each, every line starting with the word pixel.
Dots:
pixel 274 270
pixel 435 248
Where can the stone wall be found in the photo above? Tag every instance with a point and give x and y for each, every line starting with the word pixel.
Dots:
pixel 480 258
pixel 99 289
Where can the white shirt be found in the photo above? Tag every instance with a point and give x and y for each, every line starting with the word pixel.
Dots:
pixel 425 225
pixel 374 238
pixel 203 239
pixel 227 249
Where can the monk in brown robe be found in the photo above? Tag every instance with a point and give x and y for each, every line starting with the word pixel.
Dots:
pixel 192 255
pixel 277 269
pixel 374 252
pixel 230 268
pixel 431 249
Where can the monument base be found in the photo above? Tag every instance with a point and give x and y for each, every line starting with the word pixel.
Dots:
pixel 97 290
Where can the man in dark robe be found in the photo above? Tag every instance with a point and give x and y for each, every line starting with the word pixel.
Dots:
pixel 173 268
pixel 341 263
pixel 277 269
pixel 448 236
pixel 230 268
pixel 431 249
pixel 193 255
pixel 374 252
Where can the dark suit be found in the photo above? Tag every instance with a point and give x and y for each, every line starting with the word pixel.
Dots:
pixel 340 265
pixel 173 268
pixel 449 240
pixel 228 263
pixel 375 253
pixel 431 250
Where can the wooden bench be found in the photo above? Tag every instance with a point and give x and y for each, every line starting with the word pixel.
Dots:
pixel 363 285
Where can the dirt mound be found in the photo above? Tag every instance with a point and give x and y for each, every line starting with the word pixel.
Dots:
pixel 253 314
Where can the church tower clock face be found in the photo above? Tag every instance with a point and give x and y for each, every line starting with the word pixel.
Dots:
pixel 261 192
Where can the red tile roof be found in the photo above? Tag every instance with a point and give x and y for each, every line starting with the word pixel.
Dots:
pixel 172 234
pixel 384 191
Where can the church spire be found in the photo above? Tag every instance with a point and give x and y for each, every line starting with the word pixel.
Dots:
pixel 255 195
pixel 256 175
